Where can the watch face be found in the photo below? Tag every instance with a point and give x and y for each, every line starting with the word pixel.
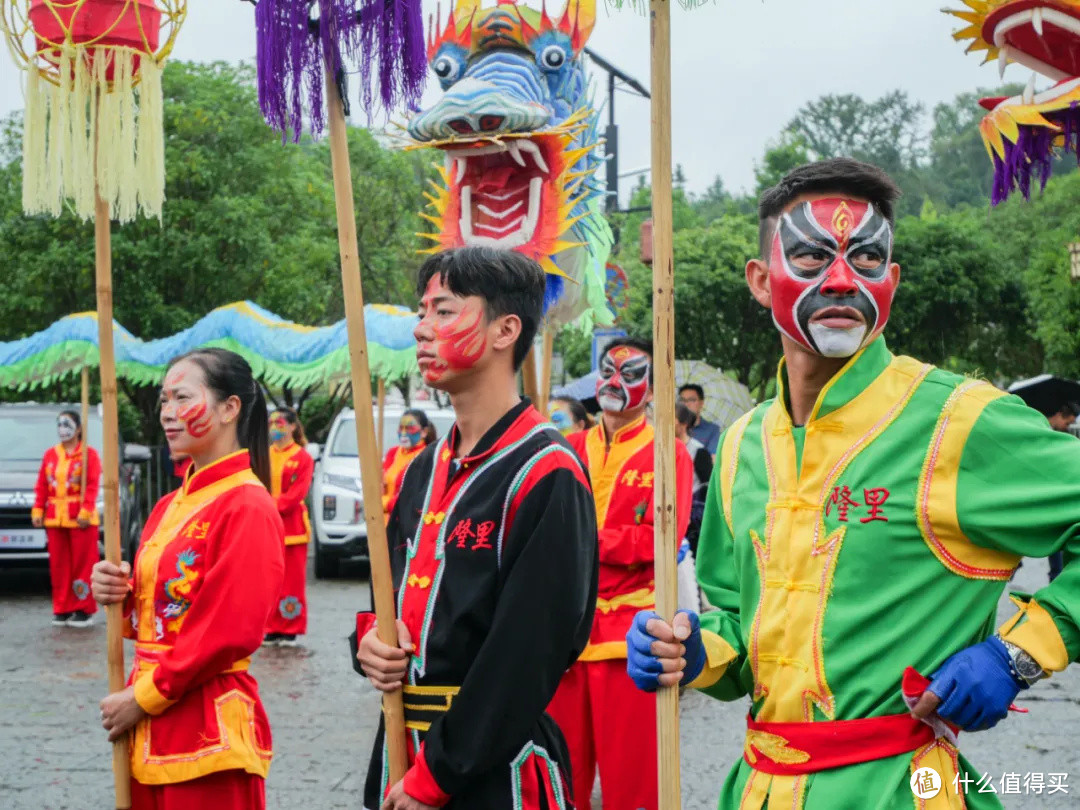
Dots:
pixel 1027 666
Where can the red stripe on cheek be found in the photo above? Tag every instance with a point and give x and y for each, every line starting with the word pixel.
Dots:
pixel 196 419
pixel 462 343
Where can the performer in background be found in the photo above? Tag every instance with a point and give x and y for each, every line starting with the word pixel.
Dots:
pixel 569 415
pixel 607 722
pixel 493 548
pixel 69 515
pixel 291 469
pixel 415 432
pixel 208 572
pixel 859 531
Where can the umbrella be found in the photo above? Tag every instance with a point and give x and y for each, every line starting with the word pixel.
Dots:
pixel 725 399
pixel 1046 393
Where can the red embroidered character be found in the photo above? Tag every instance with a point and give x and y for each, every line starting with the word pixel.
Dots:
pixel 875 499
pixel 483 532
pixel 462 531
pixel 841 497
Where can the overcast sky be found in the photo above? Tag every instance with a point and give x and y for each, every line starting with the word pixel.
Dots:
pixel 740 68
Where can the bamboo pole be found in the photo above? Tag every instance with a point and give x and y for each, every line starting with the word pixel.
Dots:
pixel 528 377
pixel 85 430
pixel 665 540
pixel 382 419
pixel 382 583
pixel 110 478
pixel 545 370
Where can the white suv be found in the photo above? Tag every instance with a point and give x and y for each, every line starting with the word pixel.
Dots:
pixel 337 501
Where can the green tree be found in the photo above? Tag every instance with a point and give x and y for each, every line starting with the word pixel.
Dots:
pixel 781 156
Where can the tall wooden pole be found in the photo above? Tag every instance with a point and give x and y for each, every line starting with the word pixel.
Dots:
pixel 528 377
pixel 382 583
pixel 85 429
pixel 110 478
pixel 545 370
pixel 381 429
pixel 666 541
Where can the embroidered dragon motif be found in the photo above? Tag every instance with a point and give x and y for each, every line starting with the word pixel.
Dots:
pixel 178 589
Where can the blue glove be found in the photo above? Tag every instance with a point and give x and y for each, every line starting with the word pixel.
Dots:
pixel 684 547
pixel 976 686
pixel 644 668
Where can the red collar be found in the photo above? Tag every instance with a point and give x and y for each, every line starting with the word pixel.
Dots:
pixel 511 427
pixel 222 468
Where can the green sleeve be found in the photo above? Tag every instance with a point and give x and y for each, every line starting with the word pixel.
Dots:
pixel 1018 490
pixel 716 575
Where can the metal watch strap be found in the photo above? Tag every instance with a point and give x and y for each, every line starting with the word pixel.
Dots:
pixel 1023 666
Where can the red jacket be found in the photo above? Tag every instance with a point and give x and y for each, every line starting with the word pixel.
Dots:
pixel 57 497
pixel 622 482
pixel 208 573
pixel 290 479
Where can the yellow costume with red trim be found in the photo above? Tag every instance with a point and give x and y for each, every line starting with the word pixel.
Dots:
pixel 291 470
pixel 60 501
pixel 607 722
pixel 396 461
pixel 207 574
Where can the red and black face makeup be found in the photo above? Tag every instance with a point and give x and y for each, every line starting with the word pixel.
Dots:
pixel 829 275
pixel 623 384
pixel 451 334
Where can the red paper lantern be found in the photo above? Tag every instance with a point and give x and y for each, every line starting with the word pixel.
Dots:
pixel 131 24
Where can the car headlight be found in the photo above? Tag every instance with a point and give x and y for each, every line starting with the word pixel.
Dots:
pixel 343 481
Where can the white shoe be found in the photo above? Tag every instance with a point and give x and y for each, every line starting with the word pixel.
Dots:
pixel 80 619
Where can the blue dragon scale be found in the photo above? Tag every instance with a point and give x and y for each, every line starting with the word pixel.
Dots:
pixel 519 132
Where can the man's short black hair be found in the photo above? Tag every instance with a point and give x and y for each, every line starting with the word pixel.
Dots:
pixel 842 175
pixel 509 283
pixel 641 344
pixel 697 389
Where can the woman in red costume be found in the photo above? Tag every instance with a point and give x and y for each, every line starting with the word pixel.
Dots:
pixel 291 469
pixel 208 572
pixel 415 432
pixel 68 511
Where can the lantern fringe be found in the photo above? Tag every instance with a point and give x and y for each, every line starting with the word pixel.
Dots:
pixel 65 125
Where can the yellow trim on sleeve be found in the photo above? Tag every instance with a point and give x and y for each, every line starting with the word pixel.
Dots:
pixel 604 651
pixel 718 654
pixel 148 696
pixel 935 502
pixel 641 598
pixel 729 464
pixel 37 513
pixel 1033 630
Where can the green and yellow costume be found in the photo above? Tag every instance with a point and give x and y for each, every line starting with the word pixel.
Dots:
pixel 878 536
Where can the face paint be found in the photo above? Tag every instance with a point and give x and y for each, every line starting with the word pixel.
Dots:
pixel 623 383
pixel 279 428
pixel 459 341
pixel 193 404
pixel 563 420
pixel 410 433
pixel 65 428
pixel 829 275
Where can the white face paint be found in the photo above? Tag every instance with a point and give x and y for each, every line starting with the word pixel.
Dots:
pixel 837 342
pixel 65 428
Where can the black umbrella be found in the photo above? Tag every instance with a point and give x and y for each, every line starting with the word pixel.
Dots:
pixel 1048 394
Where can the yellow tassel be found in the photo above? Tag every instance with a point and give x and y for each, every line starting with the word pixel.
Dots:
pixel 34 134
pixel 107 135
pixel 150 151
pixel 126 180
pixel 82 138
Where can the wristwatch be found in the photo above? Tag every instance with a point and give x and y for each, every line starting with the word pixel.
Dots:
pixel 1023 666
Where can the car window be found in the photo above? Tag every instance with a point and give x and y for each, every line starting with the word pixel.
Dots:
pixel 343 442
pixel 26 436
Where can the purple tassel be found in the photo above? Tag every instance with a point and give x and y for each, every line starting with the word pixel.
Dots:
pixel 1034 153
pixel 386 37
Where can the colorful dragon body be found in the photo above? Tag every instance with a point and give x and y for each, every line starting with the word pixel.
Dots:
pixel 1022 133
pixel 519 133
pixel 178 589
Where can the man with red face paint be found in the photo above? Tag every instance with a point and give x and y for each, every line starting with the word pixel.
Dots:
pixel 610 725
pixel 493 548
pixel 859 531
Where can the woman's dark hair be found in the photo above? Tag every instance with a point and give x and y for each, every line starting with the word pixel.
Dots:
pixel 229 375
pixel 430 434
pixel 74 418
pixel 297 428
pixel 577 410
pixel 510 284
pixel 684 416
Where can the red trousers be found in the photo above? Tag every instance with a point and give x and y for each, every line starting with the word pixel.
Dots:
pixel 224 790
pixel 611 724
pixel 290 614
pixel 72 554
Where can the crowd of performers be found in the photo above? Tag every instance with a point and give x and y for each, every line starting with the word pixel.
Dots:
pixel 857 533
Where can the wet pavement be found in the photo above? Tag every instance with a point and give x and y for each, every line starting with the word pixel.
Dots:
pixel 56 757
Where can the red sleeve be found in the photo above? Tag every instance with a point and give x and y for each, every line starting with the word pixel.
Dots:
pixel 421 785
pixel 628 545
pixel 227 619
pixel 294 492
pixel 41 488
pixel 93 482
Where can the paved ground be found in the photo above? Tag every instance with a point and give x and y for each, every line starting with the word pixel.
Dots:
pixel 56 758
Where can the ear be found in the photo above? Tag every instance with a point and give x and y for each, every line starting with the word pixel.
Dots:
pixel 506 330
pixel 757 278
pixel 229 410
pixel 894 273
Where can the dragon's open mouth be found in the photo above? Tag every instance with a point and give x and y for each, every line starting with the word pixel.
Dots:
pixel 500 189
pixel 1040 35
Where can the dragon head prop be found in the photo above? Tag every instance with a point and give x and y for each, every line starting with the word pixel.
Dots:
pixel 519 134
pixel 1023 132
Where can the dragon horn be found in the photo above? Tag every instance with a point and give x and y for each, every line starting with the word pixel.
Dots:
pixel 578 19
